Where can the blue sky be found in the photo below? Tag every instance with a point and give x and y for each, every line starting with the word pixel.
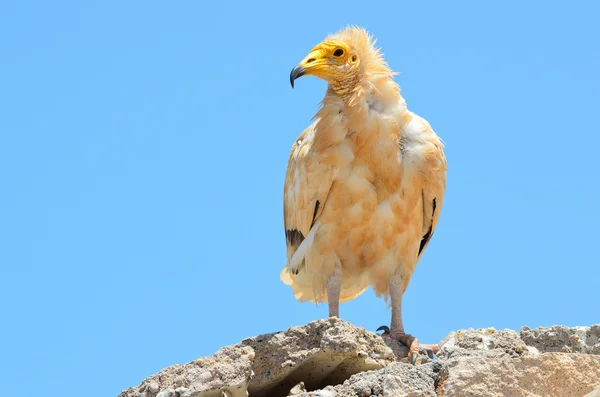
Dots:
pixel 143 148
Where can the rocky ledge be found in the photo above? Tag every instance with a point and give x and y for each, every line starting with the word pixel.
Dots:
pixel 331 357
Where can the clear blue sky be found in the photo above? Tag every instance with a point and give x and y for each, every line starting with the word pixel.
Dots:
pixel 143 147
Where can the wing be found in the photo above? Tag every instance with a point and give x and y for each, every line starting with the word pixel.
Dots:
pixel 307 184
pixel 433 172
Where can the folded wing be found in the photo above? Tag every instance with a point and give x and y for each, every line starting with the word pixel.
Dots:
pixel 307 184
pixel 433 172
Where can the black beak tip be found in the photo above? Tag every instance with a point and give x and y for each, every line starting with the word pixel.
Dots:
pixel 297 71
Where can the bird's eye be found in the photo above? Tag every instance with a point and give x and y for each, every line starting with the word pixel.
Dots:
pixel 338 53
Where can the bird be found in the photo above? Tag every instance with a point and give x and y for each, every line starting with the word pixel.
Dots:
pixel 364 185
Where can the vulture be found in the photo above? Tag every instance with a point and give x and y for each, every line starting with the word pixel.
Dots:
pixel 364 185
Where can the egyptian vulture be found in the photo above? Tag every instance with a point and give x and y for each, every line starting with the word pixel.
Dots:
pixel 364 185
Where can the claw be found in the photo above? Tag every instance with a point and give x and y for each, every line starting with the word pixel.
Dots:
pixel 413 360
pixel 429 352
pixel 431 349
pixel 385 329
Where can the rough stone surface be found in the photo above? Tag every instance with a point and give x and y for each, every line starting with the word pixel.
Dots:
pixel 487 341
pixel 397 380
pixel 331 357
pixel 559 338
pixel 229 370
pixel 595 393
pixel 493 363
pixel 322 352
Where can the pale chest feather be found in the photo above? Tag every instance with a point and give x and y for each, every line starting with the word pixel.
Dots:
pixel 375 200
pixel 385 154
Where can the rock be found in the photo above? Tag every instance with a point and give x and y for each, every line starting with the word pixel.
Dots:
pixel 323 352
pixel 559 338
pixel 298 389
pixel 396 380
pixel 331 357
pixel 476 342
pixel 595 393
pixel 230 369
pixel 487 362
pixel 153 387
pixel 179 381
pixel 543 375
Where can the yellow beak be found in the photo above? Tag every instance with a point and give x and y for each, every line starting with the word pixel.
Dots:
pixel 309 62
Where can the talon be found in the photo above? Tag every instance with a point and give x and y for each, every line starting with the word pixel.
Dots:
pixel 414 349
pixel 413 360
pixel 385 329
pixel 428 351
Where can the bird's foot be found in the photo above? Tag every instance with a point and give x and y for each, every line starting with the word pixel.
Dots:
pixel 411 342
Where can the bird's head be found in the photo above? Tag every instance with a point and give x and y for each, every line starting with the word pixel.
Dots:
pixel 344 59
pixel 332 60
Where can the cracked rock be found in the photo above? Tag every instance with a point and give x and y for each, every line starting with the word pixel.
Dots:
pixel 559 338
pixel 331 357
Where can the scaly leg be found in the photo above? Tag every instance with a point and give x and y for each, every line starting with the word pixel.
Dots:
pixel 397 328
pixel 333 294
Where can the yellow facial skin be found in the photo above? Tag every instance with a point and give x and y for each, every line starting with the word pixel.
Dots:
pixel 331 60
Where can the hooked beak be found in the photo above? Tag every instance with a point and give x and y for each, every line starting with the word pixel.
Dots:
pixel 297 71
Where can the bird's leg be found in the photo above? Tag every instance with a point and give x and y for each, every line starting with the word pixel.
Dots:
pixel 397 328
pixel 333 293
